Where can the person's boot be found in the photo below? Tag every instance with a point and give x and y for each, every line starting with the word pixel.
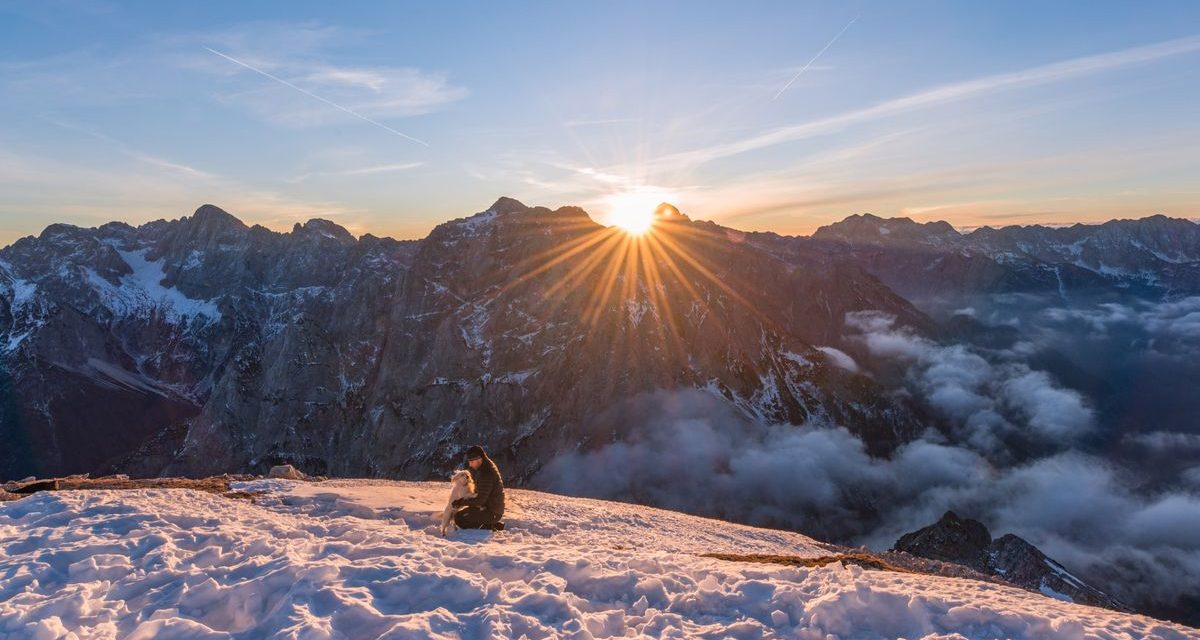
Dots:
pixel 496 526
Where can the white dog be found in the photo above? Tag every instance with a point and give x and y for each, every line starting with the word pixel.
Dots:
pixel 461 486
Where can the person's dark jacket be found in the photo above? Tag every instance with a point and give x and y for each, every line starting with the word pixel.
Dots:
pixel 489 488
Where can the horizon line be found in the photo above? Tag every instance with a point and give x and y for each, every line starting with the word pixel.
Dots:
pixel 961 229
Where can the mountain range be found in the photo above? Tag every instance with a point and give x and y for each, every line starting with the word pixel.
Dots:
pixel 1154 256
pixel 202 345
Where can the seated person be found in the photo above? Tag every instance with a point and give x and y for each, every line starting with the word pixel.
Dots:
pixel 485 510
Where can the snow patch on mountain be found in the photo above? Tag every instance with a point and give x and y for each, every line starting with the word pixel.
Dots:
pixel 475 224
pixel 21 294
pixel 22 291
pixel 142 292
pixel 1049 591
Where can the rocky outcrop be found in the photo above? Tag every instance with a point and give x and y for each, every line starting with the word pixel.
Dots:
pixel 285 472
pixel 967 542
pixel 951 539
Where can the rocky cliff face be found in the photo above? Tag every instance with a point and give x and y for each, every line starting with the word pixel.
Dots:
pixel 201 345
pixel 967 542
pixel 116 337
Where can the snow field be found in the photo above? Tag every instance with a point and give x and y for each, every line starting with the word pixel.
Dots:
pixel 362 559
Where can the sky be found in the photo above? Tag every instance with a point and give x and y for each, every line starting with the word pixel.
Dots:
pixel 390 118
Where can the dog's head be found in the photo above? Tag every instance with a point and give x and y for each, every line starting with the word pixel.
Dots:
pixel 463 477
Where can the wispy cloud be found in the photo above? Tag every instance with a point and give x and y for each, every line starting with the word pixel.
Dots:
pixel 600 176
pixel 583 122
pixel 383 168
pixel 862 176
pixel 364 78
pixel 140 156
pixel 48 189
pixel 304 57
pixel 173 166
pixel 317 97
pixel 360 171
pixel 1075 67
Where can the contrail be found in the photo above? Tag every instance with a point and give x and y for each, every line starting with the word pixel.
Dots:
pixel 814 58
pixel 313 95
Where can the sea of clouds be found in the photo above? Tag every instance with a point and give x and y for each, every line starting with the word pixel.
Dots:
pixel 1017 450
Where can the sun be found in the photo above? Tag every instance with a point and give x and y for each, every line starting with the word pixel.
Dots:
pixel 634 211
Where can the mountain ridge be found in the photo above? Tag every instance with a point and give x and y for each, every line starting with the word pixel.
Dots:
pixel 509 204
pixel 242 326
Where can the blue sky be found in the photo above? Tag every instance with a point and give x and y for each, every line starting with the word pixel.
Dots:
pixel 389 118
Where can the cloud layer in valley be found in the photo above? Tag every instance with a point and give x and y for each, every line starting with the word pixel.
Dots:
pixel 1009 455
pixel 989 401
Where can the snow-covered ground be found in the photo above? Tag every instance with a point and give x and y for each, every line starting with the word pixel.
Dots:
pixel 362 559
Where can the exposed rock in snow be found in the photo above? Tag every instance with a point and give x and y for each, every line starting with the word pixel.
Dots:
pixel 968 542
pixel 285 472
